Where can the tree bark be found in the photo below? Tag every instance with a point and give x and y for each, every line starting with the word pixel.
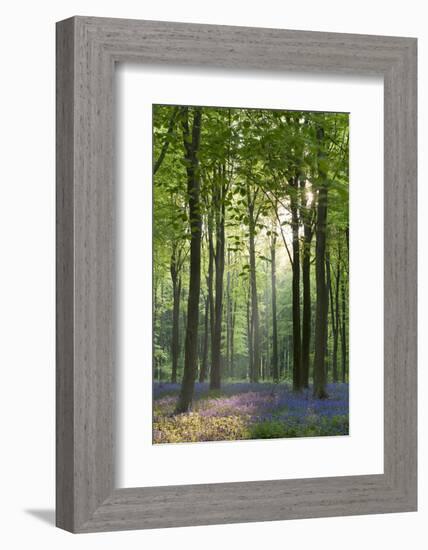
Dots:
pixel 255 332
pixel 232 341
pixel 334 306
pixel 210 280
pixel 344 331
pixel 266 355
pixel 297 343
pixel 249 335
pixel 275 369
pixel 191 141
pixel 176 292
pixel 306 279
pixel 204 362
pixel 322 296
pixel 155 322
pixel 328 286
pixel 219 206
pixel 228 316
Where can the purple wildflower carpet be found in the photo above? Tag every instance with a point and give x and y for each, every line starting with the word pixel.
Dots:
pixel 249 411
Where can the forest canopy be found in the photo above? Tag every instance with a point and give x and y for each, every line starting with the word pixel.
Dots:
pixel 250 249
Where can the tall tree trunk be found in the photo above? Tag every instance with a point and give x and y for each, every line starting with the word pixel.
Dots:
pixel 266 357
pixel 344 330
pixel 219 205
pixel 254 300
pixel 322 295
pixel 275 369
pixel 334 306
pixel 210 279
pixel 160 339
pixel 228 316
pixel 175 268
pixel 175 345
pixel 155 322
pixel 328 285
pixel 204 362
pixel 343 292
pixel 347 241
pixel 191 141
pixel 250 335
pixel 283 358
pixel 297 344
pixel 306 277
pixel 232 340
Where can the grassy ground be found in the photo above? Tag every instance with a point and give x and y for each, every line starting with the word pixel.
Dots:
pixel 249 411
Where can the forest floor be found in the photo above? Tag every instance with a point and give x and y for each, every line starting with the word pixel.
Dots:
pixel 241 410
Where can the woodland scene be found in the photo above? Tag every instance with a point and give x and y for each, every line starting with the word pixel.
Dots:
pixel 250 273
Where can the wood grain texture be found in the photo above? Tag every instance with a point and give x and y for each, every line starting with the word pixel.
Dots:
pixel 87 49
pixel 64 276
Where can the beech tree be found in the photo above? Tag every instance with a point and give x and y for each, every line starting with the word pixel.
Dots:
pixel 191 143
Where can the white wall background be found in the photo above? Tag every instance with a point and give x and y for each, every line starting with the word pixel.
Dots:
pixel 27 273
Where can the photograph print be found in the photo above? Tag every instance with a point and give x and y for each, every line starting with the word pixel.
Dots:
pixel 250 274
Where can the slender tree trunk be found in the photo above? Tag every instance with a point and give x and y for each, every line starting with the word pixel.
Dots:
pixel 204 362
pixel 297 344
pixel 160 339
pixel 275 369
pixel 228 317
pixel 334 306
pixel 250 336
pixel 183 321
pixel 283 358
pixel 322 295
pixel 191 140
pixel 347 240
pixel 232 341
pixel 209 278
pixel 344 330
pixel 266 359
pixel 175 345
pixel 306 277
pixel 344 325
pixel 306 322
pixel 215 373
pixel 327 332
pixel 176 295
pixel 155 322
pixel 254 300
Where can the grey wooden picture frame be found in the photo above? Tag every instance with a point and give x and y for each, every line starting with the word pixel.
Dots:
pixel 87 51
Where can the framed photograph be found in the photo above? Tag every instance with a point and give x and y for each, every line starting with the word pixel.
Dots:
pixel 236 274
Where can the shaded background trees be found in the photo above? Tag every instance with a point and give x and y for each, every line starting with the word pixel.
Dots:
pixel 251 243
